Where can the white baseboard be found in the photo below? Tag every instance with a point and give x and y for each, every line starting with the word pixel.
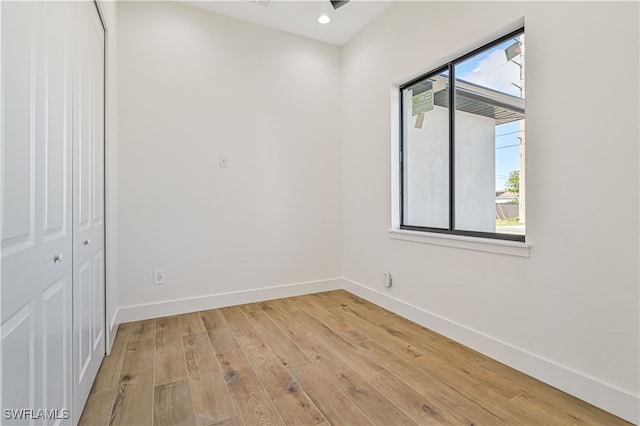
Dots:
pixel 112 331
pixel 193 304
pixel 609 398
pixel 114 319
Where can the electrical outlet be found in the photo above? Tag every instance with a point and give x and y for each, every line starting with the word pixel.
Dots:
pixel 224 161
pixel 386 277
pixel 158 277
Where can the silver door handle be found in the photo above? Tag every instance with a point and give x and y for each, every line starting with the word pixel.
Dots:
pixel 86 242
pixel 57 258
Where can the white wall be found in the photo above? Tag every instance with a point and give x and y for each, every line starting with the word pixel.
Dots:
pixel 569 313
pixel 427 170
pixel 194 86
pixel 475 172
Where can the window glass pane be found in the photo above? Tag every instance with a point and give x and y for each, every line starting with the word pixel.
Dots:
pixel 489 140
pixel 425 148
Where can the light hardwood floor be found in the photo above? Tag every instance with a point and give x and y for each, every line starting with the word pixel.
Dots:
pixel 328 358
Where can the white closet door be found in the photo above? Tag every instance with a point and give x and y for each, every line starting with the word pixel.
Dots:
pixel 88 203
pixel 36 205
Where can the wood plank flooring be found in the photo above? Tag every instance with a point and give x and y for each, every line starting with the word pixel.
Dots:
pixel 328 358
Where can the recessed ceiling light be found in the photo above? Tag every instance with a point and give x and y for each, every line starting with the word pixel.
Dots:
pixel 324 19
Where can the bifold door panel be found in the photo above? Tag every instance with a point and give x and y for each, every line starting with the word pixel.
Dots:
pixel 52 106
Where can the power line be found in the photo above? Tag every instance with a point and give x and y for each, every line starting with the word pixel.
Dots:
pixel 509 146
pixel 510 133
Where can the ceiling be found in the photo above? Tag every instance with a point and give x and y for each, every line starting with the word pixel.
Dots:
pixel 301 17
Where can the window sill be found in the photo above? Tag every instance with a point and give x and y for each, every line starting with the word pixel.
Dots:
pixel 511 248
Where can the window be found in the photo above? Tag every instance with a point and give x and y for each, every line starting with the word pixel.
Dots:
pixel 462 145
